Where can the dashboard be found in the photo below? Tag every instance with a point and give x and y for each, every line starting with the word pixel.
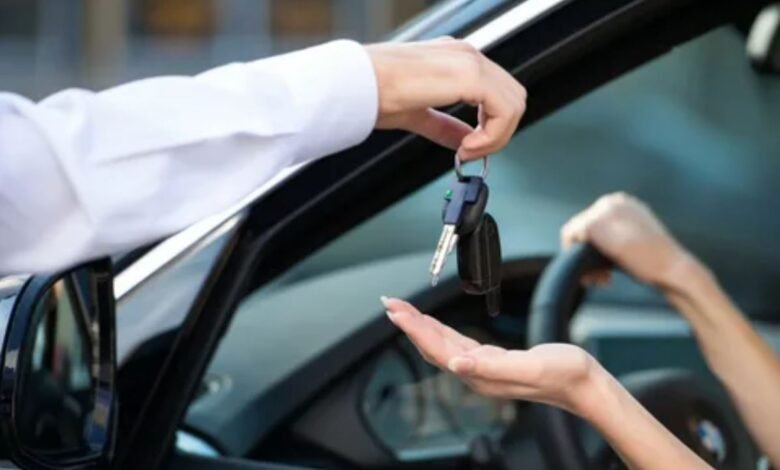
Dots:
pixel 344 389
pixel 394 408
pixel 268 399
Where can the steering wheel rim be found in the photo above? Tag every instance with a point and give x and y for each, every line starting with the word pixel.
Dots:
pixel 554 301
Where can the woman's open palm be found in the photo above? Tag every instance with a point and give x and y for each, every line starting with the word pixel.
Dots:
pixel 550 373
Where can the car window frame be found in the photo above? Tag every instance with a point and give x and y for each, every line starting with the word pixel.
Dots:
pixel 266 244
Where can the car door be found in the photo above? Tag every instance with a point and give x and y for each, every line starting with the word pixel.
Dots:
pixel 543 43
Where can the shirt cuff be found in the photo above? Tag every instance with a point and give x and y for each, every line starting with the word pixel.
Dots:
pixel 334 88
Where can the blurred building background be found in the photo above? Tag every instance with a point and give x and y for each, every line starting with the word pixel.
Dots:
pixel 47 45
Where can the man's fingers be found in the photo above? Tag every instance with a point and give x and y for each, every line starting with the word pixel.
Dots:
pixel 445 130
pixel 413 78
pixel 502 104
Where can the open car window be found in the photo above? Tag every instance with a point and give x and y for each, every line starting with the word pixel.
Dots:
pixel 693 133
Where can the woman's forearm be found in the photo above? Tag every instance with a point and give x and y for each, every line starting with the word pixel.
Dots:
pixel 745 364
pixel 609 407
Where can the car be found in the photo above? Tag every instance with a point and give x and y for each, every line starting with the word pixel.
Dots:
pixel 256 339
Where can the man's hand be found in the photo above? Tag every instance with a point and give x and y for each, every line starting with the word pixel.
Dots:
pixel 626 231
pixel 414 78
pixel 562 375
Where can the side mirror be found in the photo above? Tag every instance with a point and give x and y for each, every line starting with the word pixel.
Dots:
pixel 763 42
pixel 57 397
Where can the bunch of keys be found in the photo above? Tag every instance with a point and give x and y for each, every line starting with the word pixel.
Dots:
pixel 475 233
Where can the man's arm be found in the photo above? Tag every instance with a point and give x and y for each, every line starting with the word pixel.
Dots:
pixel 626 231
pixel 86 174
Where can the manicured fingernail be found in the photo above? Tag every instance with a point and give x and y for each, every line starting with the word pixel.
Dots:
pixel 385 301
pixel 461 365
pixel 391 316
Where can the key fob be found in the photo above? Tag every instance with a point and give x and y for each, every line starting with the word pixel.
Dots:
pixel 465 204
pixel 479 263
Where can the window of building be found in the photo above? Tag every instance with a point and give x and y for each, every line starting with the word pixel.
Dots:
pixel 18 18
pixel 302 17
pixel 178 18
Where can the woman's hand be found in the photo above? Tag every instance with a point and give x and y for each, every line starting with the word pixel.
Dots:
pixel 562 375
pixel 627 232
pixel 414 78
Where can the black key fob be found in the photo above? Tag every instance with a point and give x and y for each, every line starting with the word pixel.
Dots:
pixel 479 263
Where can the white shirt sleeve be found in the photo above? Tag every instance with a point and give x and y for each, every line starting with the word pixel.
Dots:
pixel 86 174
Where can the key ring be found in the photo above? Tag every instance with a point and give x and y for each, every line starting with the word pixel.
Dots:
pixel 459 167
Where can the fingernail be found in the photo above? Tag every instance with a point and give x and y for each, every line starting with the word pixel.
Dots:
pixel 384 301
pixel 391 316
pixel 461 365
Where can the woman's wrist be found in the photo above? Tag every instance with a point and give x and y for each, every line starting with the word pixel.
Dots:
pixel 685 276
pixel 596 394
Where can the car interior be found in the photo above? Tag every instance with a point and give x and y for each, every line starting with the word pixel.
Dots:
pixel 311 373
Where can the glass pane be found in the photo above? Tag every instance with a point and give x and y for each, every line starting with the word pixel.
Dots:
pixel 302 17
pixel 18 18
pixel 56 384
pixel 188 18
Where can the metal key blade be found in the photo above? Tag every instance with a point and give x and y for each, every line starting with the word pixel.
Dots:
pixel 445 246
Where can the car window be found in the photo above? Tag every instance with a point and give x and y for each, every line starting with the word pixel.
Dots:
pixel 693 133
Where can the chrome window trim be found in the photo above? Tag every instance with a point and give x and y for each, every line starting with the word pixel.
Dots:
pixel 189 443
pixel 441 14
pixel 759 41
pixel 177 245
pixel 518 17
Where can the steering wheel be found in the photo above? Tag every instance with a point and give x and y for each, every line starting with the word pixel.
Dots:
pixel 696 412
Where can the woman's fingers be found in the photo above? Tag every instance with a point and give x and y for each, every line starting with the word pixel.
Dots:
pixel 436 342
pixel 496 364
pixel 600 277
pixel 448 332
pixel 433 346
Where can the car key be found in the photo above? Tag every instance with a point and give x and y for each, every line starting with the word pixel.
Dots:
pixel 463 209
pixel 479 263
